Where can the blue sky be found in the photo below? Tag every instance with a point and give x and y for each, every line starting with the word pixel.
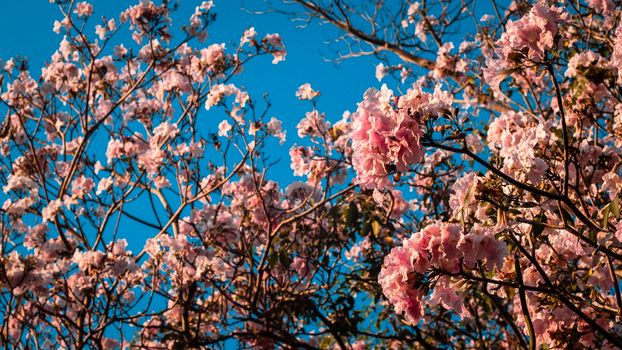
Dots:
pixel 29 24
pixel 27 27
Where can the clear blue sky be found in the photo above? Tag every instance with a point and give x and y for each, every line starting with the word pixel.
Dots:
pixel 27 28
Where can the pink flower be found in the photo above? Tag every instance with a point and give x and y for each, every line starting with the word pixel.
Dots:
pixel 481 245
pixel 532 35
pixel 618 233
pixel 313 124
pixel 616 55
pixel 81 186
pixel 212 54
pixel 223 128
pixel 162 133
pixel 49 212
pixel 299 160
pixel 275 128
pixel 248 36
pixel 115 150
pixel 381 71
pixel 101 31
pixel 445 62
pixel 161 182
pixel 88 259
pixel 445 294
pixel 462 199
pixel 83 9
pixel 612 183
pixel 103 185
pixel 300 266
pixel 385 135
pixel 120 50
pixel 438 245
pixel 396 286
pixel 583 60
pixel 306 92
pixel 605 7
pixel 276 47
pixel 151 160
pixel 219 91
pixel 359 345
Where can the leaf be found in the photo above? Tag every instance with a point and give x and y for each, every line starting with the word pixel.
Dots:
pixel 614 207
pixel 606 212
pixel 537 229
pixel 351 214
pixel 366 228
pixel 272 260
pixel 376 227
pixel 284 258
pixel 530 205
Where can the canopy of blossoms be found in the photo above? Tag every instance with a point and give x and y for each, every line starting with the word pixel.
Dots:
pixel 470 200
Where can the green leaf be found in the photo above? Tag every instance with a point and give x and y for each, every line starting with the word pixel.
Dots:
pixel 352 214
pixel 606 211
pixel 376 227
pixel 366 228
pixel 272 260
pixel 614 207
pixel 284 258
pixel 537 229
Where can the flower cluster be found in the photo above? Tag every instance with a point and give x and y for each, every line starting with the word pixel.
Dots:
pixel 439 246
pixel 387 130
pixel 531 36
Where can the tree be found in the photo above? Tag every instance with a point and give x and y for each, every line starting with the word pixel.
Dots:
pixel 475 205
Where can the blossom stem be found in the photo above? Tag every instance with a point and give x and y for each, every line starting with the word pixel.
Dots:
pixel 523 302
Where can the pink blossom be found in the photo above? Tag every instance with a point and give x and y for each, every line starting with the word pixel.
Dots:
pixel 462 199
pixel 532 35
pixel 300 160
pixel 605 7
pixel 162 133
pixel 104 185
pixel 313 124
pixel 151 160
pixel 224 128
pixel 275 128
pixel 397 287
pixel 276 47
pixel 248 36
pixel 81 186
pixel 115 150
pixel 381 71
pixel 385 135
pixel 300 266
pixel 212 54
pixel 438 245
pixel 88 259
pixel 445 294
pixel 612 183
pixel 161 182
pixel 306 92
pixel 83 9
pixel 583 60
pixel 616 55
pixel 219 91
pixel 49 212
